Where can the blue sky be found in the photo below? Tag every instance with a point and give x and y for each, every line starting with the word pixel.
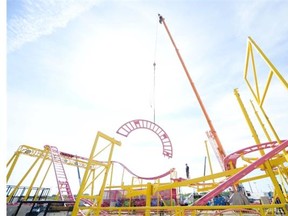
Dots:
pixel 75 68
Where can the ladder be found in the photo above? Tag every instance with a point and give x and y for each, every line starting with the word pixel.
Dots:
pixel 62 181
pixel 215 148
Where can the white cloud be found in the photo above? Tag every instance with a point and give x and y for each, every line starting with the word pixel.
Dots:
pixel 42 18
pixel 257 21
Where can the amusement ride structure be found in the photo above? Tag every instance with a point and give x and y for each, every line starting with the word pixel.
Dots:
pixel 99 195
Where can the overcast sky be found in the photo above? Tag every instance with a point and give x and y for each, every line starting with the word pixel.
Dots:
pixel 78 67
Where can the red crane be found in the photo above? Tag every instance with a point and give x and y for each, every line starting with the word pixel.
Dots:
pixel 212 133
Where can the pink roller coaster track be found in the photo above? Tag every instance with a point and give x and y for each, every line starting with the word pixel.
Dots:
pixel 233 179
pixel 146 178
pixel 232 158
pixel 123 166
pixel 62 180
pixel 130 126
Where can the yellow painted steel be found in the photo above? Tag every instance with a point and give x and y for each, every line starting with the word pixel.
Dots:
pixel 266 209
pixel 261 122
pixel 39 155
pixel 97 149
pixel 36 175
pixel 13 160
pixel 149 193
pixel 40 186
pixel 268 168
pixel 25 175
pixel 273 69
pixel 209 159
pixel 260 96
pixel 149 190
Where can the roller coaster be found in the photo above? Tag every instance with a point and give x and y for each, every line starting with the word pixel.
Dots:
pixel 103 192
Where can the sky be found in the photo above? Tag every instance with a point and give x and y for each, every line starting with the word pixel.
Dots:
pixel 78 67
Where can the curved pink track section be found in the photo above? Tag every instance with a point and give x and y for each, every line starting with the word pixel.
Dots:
pixel 130 126
pixel 145 178
pixel 232 158
pixel 233 179
pixel 124 167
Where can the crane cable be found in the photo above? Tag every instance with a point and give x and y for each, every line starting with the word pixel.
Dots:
pixel 154 74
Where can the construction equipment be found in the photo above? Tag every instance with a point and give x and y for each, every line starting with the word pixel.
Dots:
pixel 212 133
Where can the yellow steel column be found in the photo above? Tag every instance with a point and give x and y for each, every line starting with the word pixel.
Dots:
pixel 274 132
pixel 261 122
pixel 23 178
pixel 267 165
pixel 35 176
pixel 91 166
pixel 209 159
pixel 40 186
pixel 149 192
pixel 271 127
pixel 260 98
pixel 269 63
pixel 14 160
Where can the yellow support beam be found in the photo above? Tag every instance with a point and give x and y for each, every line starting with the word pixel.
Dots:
pixel 268 167
pixel 103 147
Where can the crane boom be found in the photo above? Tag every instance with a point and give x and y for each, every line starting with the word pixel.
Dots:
pixel 220 149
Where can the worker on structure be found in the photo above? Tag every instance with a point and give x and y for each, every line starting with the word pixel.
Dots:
pixel 187 171
pixel 160 18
